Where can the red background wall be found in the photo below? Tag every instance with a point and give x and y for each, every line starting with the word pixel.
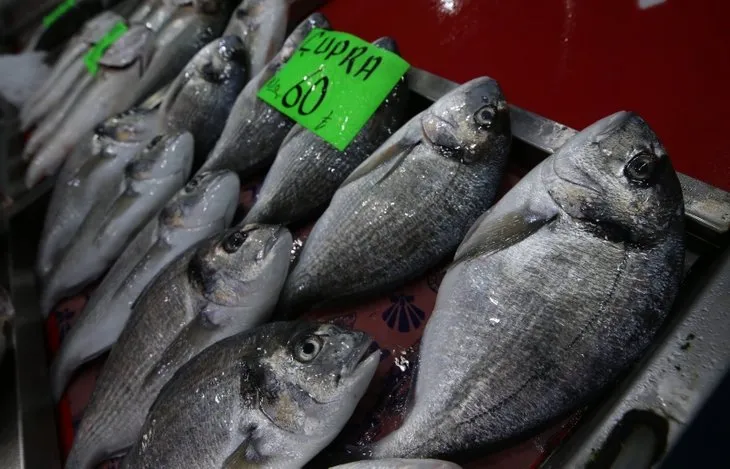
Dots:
pixel 576 61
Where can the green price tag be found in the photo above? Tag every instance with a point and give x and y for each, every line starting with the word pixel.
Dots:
pixel 91 59
pixel 58 12
pixel 333 83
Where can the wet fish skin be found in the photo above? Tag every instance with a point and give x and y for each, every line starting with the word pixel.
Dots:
pixel 553 293
pixel 227 284
pixel 409 204
pixel 307 170
pixel 152 178
pixel 91 32
pixel 89 177
pixel 258 399
pixel 109 94
pixel 399 464
pixel 261 25
pixel 201 97
pixel 254 130
pixel 177 42
pixel 205 206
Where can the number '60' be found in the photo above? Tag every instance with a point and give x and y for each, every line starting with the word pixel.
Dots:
pixel 308 100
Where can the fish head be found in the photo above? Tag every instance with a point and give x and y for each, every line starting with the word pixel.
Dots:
pixel 292 42
pixel 210 197
pixel 165 155
pixel 242 266
pixel 314 377
pixel 617 178
pixel 129 127
pixel 470 123
pixel 222 59
pixel 251 15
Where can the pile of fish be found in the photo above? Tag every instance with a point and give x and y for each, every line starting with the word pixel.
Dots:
pixel 550 294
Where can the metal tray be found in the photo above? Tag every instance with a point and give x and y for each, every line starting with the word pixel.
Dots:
pixel 672 381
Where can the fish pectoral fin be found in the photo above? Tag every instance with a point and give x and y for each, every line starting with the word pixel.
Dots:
pixel 397 148
pixel 245 456
pixel 492 233
pixel 133 45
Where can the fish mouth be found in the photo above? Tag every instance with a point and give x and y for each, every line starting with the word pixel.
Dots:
pixel 433 126
pixel 366 349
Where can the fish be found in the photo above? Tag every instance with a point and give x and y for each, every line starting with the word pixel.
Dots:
pixel 67 70
pixel 7 315
pixel 201 97
pixel 89 177
pixel 122 63
pixel 254 130
pixel 261 25
pixel 226 285
pixel 272 397
pixel 151 178
pixel 307 170
pixel 183 35
pixel 552 294
pixel 205 206
pixel 409 204
pixel 399 464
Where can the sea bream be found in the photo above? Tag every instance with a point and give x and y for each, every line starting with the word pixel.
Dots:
pixel 90 177
pixel 205 206
pixel 272 397
pixel 552 294
pixel 150 179
pixel 407 206
pixel 261 25
pixel 110 93
pixel 227 284
pixel 201 97
pixel 68 69
pixel 307 170
pixel 182 36
pixel 254 130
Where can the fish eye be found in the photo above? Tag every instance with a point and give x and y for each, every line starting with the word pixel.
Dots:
pixel 209 73
pixel 191 185
pixel 308 349
pixel 484 117
pixel 234 241
pixel 641 168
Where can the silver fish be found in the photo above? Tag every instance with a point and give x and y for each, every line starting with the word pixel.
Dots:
pixel 224 286
pixel 399 464
pixel 89 177
pixel 62 78
pixel 552 294
pixel 307 170
pixel 407 206
pixel 205 206
pixel 201 97
pixel 272 397
pixel 261 25
pixel 182 36
pixel 122 63
pixel 254 130
pixel 151 178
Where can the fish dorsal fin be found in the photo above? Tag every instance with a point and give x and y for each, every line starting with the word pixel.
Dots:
pixel 495 231
pixel 135 43
pixel 397 148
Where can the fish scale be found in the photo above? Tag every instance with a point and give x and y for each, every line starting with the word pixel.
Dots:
pixel 204 295
pixel 408 205
pixel 554 292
